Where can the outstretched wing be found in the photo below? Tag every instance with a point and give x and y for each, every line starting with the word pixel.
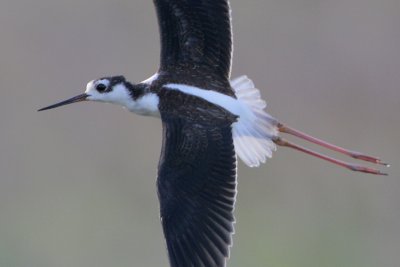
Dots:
pixel 195 33
pixel 197 189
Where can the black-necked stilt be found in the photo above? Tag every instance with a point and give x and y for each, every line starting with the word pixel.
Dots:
pixel 207 120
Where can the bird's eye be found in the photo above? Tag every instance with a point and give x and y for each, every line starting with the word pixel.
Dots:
pixel 101 87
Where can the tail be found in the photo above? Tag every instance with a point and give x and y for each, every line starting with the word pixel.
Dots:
pixel 253 133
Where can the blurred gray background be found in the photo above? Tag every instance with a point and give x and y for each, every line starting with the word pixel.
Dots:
pixel 77 184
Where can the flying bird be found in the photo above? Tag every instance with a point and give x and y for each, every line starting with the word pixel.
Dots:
pixel 208 120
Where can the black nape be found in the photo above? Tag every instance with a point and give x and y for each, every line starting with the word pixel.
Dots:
pixel 116 80
pixel 136 90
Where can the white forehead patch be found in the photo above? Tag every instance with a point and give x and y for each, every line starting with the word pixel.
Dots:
pixel 89 86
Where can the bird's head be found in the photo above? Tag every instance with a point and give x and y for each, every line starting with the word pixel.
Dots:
pixel 118 91
pixel 114 90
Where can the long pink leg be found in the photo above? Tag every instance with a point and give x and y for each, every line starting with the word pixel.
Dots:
pixel 285 129
pixel 354 167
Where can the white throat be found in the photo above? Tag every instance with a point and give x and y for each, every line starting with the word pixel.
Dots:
pixel 146 105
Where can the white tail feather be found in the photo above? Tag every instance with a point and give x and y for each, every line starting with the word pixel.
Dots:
pixel 253 133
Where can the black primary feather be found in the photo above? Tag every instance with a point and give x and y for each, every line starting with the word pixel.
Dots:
pixel 195 33
pixel 197 190
pixel 197 169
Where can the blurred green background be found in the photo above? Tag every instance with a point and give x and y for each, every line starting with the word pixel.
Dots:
pixel 77 184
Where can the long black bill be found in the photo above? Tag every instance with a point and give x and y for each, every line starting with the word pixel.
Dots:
pixel 74 99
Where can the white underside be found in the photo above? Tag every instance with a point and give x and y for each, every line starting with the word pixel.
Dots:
pixel 254 130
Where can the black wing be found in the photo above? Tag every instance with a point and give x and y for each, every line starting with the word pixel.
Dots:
pixel 195 33
pixel 197 189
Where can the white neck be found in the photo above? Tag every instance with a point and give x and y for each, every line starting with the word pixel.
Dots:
pixel 146 105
